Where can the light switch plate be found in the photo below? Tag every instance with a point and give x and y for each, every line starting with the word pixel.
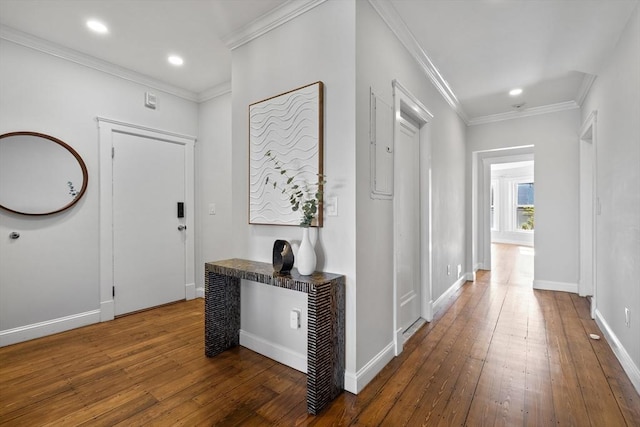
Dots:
pixel 331 206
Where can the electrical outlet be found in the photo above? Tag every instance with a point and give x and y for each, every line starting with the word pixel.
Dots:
pixel 212 208
pixel 448 269
pixel 294 319
pixel 459 270
pixel 627 317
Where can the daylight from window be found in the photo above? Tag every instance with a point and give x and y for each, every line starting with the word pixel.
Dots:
pixel 512 203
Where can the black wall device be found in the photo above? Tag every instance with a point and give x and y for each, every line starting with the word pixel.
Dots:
pixel 180 209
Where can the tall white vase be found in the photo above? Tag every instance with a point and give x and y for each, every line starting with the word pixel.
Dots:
pixel 306 258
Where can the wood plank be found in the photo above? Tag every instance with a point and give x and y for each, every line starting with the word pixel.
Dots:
pixel 497 353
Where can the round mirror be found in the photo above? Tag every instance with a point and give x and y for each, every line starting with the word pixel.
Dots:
pixel 39 174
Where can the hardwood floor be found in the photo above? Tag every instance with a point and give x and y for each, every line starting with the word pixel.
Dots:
pixel 499 354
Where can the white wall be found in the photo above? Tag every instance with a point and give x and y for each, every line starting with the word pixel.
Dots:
pixel 316 46
pixel 381 58
pixel 556 150
pixel 52 271
pixel 615 95
pixel 213 184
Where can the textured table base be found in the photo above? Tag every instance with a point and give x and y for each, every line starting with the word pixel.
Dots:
pixel 325 331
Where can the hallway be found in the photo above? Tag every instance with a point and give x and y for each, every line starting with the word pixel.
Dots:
pixel 499 353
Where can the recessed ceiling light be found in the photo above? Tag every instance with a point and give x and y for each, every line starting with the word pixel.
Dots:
pixel 175 60
pixel 97 26
pixel 515 92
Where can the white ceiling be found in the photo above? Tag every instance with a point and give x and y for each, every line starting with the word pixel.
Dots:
pixel 481 48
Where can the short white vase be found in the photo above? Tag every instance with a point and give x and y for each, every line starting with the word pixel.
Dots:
pixel 306 258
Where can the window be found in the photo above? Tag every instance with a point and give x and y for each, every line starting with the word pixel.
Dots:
pixel 524 206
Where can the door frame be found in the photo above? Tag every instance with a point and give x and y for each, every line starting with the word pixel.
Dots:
pixel 106 129
pixel 405 103
pixel 587 284
pixel 481 195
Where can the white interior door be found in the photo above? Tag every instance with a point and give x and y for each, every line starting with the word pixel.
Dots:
pixel 149 240
pixel 407 222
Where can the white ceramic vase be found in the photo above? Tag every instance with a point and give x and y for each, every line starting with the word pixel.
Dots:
pixel 306 258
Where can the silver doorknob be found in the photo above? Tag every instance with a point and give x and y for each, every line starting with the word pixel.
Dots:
pixel 14 235
pixel 182 227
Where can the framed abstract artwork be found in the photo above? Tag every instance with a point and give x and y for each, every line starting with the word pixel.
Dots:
pixel 285 134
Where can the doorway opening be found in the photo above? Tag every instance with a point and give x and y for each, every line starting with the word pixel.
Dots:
pixel 503 206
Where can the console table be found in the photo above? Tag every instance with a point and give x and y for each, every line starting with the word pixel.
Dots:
pixel 325 330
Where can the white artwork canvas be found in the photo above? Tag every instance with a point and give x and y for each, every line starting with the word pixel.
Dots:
pixel 288 128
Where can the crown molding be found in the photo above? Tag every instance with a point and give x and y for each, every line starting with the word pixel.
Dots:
pixel 268 22
pixel 214 92
pixel 395 23
pixel 585 87
pixel 534 111
pixel 45 46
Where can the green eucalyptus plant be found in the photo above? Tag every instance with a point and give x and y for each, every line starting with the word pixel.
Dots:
pixel 303 196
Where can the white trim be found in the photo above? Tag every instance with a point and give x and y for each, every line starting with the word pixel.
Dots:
pixel 355 383
pixel 189 291
pixel 271 20
pixel 107 310
pixel 106 129
pixel 587 283
pixel 548 285
pixel 274 351
pixel 199 292
pixel 145 129
pixel 481 191
pixel 397 26
pixel 53 49
pixel 533 111
pixel 407 98
pixel 513 238
pixel 49 327
pixel 437 305
pixel 585 87
pixel 214 92
pixel 404 101
pixel 632 370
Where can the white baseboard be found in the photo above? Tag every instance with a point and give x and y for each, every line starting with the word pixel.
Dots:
pixel 447 294
pixel 189 291
pixel 632 370
pixel 107 311
pixel 49 327
pixel 273 351
pixel 514 240
pixel 547 285
pixel 355 383
pixel 199 292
